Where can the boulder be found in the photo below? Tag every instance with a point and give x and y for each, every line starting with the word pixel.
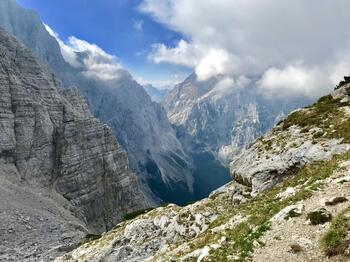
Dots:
pixel 288 212
pixel 296 248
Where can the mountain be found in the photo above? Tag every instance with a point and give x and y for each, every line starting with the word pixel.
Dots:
pixel 224 115
pixel 289 201
pixel 157 95
pixel 140 125
pixel 62 173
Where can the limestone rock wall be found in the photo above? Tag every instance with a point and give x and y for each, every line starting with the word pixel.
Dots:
pixel 54 143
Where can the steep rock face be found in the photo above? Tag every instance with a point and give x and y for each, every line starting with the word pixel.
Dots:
pixel 143 129
pixel 49 142
pixel 27 27
pixel 236 223
pixel 140 125
pixel 225 116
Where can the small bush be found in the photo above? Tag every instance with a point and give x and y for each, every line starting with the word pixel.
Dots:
pixel 89 238
pixel 136 214
pixel 319 216
pixel 335 242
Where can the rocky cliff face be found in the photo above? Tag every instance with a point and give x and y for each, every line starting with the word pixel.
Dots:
pixel 224 116
pixel 140 125
pixel 289 202
pixel 58 164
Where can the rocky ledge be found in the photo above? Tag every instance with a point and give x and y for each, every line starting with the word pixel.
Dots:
pixel 307 135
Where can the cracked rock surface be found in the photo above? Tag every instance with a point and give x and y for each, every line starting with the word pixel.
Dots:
pixel 62 173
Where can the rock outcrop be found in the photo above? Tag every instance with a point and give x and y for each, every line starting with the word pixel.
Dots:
pixel 307 135
pixel 61 169
pixel 140 125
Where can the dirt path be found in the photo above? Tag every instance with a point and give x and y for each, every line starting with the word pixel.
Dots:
pixel 283 234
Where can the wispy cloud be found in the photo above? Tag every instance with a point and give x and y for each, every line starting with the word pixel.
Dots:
pixel 159 83
pixel 138 24
pixel 68 52
pixel 93 60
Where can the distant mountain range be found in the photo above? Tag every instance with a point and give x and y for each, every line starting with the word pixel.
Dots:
pixel 157 95
pixel 223 115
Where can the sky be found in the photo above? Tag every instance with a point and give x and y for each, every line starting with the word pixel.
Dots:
pixel 120 29
pixel 294 48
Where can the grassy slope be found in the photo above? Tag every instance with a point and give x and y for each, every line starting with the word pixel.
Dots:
pixel 240 239
pixel 324 114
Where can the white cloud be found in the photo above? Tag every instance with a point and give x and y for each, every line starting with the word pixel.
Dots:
pixel 160 84
pixel 51 32
pixel 226 86
pixel 183 54
pixel 207 62
pixel 296 80
pixel 275 39
pixel 214 62
pixel 341 68
pixel 67 52
pixel 97 63
pixel 94 61
pixel 138 24
pixel 299 80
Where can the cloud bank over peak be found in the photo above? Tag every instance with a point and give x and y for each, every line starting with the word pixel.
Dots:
pixel 298 48
pixel 94 61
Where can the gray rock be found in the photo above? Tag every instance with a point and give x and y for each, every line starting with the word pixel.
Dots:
pixel 296 248
pixel 58 164
pixel 266 162
pixel 342 93
pixel 145 236
pixel 288 212
pixel 290 191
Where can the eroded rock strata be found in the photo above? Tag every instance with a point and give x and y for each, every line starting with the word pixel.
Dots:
pixel 62 172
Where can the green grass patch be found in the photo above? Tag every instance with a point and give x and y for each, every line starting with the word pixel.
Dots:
pixel 137 213
pixel 335 241
pixel 89 238
pixel 261 209
pixel 324 114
